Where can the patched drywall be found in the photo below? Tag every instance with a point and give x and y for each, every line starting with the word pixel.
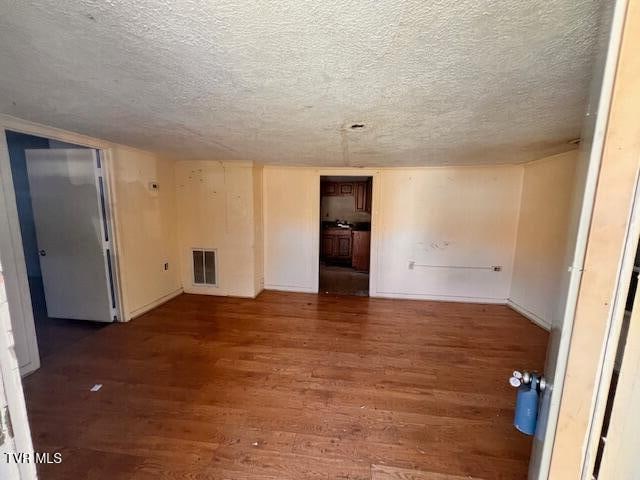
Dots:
pixel 218 210
pixel 463 82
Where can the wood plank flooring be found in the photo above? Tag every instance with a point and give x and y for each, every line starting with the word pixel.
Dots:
pixel 289 386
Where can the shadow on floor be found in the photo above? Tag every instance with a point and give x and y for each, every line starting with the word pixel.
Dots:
pixel 56 334
pixel 343 281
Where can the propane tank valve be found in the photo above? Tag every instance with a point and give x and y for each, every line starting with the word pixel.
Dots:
pixel 524 378
pixel 529 386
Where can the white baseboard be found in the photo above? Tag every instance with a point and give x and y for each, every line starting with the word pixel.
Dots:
pixel 150 306
pixel 217 292
pixel 290 288
pixel 260 290
pixel 541 322
pixel 205 290
pixel 438 298
pixel 401 296
pixel 29 367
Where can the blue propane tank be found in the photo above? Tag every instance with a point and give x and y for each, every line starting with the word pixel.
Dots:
pixel 527 407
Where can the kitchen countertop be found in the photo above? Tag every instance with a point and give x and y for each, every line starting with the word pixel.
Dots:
pixel 353 227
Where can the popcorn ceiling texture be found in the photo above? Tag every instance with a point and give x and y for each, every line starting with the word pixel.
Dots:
pixel 435 82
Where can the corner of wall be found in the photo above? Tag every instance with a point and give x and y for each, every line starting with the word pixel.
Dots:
pixel 542 236
pixel 258 229
pixel 541 322
pixel 517 233
pixel 145 229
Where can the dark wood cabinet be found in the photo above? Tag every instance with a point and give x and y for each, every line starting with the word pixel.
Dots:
pixel 346 188
pixel 361 191
pixel 360 250
pixel 361 196
pixel 328 242
pixel 336 245
pixel 344 246
pixel 329 188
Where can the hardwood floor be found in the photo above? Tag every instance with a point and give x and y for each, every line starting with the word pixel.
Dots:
pixel 55 334
pixel 290 386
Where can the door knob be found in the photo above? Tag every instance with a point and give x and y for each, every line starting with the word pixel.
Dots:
pixel 43 253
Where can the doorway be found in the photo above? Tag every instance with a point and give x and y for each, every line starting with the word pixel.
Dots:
pixel 345 234
pixel 61 200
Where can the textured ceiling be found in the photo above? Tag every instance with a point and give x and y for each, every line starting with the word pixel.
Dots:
pixel 281 81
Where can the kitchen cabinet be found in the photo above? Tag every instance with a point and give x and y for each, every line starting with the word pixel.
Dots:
pixel 360 250
pixel 336 245
pixel 346 246
pixel 328 242
pixel 360 190
pixel 361 196
pixel 329 188
pixel 346 188
pixel 362 193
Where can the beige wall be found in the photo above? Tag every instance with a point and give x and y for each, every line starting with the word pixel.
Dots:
pixel 462 217
pixel 291 216
pixel 258 219
pixel 454 216
pixel 542 236
pixel 216 207
pixel 145 221
pixel 458 216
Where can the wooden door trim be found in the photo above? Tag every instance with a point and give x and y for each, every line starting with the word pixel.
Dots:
pixel 606 241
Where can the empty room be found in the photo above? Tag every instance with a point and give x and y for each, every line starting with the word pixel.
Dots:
pixel 292 240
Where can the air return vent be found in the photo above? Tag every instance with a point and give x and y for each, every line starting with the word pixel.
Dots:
pixel 204 267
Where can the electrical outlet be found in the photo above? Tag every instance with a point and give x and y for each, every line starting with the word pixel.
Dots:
pixel 166 266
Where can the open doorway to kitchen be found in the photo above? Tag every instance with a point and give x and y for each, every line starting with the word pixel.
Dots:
pixel 345 234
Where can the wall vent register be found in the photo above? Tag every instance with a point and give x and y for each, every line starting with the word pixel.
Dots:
pixel 204 267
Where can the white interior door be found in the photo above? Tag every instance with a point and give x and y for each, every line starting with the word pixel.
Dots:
pixel 68 210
